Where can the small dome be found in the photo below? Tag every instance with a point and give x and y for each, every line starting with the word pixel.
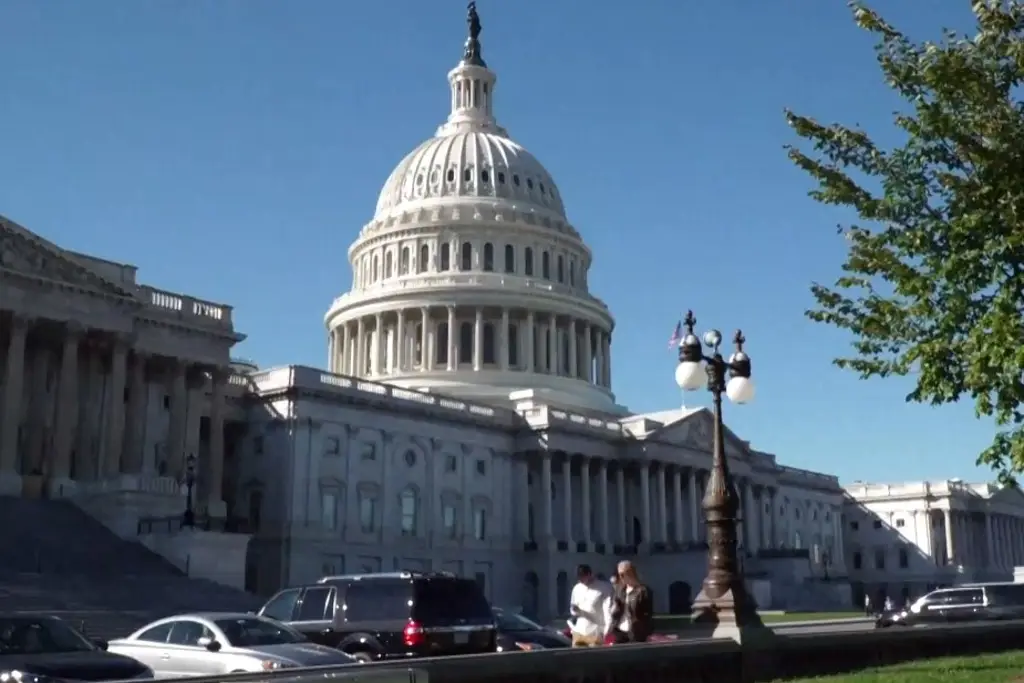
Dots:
pixel 469 164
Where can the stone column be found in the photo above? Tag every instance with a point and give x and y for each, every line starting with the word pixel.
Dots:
pixel 215 457
pixel 677 505
pixel 663 509
pixel 341 354
pixel 425 336
pixel 503 341
pixel 547 528
pixel 402 343
pixel 588 354
pixel 645 501
pixel 115 416
pixel 599 354
pixel 567 498
pixel 196 392
pixel 620 486
pixel 574 367
pixel 585 501
pixel 67 407
pixel 691 494
pixel 768 529
pixel 553 345
pixel 749 516
pixel 523 472
pixel 175 455
pixel 14 375
pixel 377 347
pixel 948 522
pixel 359 368
pixel 602 501
pixel 135 424
pixel 530 342
pixel 608 360
pixel 453 332
pixel 478 340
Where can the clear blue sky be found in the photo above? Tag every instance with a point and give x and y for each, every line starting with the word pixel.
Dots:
pixel 232 149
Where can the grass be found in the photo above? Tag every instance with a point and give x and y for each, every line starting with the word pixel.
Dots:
pixel 1005 667
pixel 667 623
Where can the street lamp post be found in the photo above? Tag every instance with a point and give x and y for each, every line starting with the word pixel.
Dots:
pixel 724 606
pixel 188 520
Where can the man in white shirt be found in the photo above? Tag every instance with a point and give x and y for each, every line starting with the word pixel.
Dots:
pixel 591 606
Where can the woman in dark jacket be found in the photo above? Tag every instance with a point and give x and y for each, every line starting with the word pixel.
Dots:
pixel 637 621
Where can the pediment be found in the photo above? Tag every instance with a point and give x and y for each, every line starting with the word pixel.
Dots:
pixel 695 430
pixel 22 251
pixel 1009 494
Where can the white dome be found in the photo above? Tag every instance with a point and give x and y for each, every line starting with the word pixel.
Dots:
pixel 469 164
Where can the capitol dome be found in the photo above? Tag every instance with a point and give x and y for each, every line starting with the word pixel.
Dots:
pixel 469 280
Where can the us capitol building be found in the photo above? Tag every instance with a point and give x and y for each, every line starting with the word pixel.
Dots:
pixel 466 419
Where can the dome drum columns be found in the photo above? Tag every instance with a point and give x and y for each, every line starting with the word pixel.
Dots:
pixel 486 338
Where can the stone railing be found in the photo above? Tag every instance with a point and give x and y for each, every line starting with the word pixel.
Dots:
pixel 795 474
pixel 430 281
pixel 311 379
pixel 919 489
pixel 188 309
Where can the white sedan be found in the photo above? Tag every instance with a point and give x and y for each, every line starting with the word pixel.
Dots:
pixel 214 643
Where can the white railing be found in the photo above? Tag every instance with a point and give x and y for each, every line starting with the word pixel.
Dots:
pixel 807 475
pixel 426 281
pixel 187 308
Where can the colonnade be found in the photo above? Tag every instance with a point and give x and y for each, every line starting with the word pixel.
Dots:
pixel 664 498
pixel 393 343
pixel 75 407
pixel 973 538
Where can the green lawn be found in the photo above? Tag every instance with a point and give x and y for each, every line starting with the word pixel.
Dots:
pixel 1006 667
pixel 666 623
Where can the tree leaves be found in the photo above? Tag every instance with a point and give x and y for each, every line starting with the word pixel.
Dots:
pixel 933 282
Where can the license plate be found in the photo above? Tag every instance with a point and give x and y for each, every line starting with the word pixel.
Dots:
pixel 461 638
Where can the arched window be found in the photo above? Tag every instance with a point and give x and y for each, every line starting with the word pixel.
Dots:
pixel 466 343
pixel 424 260
pixel 489 354
pixel 510 258
pixel 410 512
pixel 467 256
pixel 389 264
pixel 488 257
pixel 513 345
pixel 403 262
pixel 376 268
pixel 561 268
pixel 442 344
pixel 446 256
pixel 528 261
pixel 545 265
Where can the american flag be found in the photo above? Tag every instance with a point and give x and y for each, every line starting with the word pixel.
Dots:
pixel 677 336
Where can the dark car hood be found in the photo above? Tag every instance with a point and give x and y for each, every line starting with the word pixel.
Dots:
pixel 80 666
pixel 546 639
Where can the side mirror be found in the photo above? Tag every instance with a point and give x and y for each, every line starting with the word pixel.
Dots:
pixel 209 643
pixel 101 644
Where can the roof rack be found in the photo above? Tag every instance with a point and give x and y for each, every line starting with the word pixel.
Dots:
pixel 385 575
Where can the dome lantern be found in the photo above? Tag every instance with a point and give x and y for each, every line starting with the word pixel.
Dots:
pixel 472 86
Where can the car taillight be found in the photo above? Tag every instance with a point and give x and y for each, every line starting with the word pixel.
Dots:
pixel 412 634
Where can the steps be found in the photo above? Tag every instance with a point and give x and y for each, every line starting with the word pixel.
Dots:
pixel 54 558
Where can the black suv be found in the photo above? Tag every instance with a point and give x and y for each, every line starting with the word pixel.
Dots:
pixel 390 616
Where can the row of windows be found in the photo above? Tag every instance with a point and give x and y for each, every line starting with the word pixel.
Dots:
pixel 880 555
pixel 410 511
pixel 559 269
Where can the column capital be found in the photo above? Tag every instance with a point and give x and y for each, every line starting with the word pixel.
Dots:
pixel 21 321
pixel 74 330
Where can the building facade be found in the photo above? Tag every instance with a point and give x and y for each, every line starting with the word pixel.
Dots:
pixel 905 539
pixel 465 421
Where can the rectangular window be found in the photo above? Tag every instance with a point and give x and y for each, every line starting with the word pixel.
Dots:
pixel 480 524
pixel 450 518
pixel 329 510
pixel 367 512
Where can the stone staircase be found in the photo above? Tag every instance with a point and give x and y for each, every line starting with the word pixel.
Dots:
pixel 56 559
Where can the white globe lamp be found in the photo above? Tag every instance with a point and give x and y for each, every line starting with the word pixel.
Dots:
pixel 740 390
pixel 691 375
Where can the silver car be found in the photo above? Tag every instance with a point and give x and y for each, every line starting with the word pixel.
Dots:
pixel 214 643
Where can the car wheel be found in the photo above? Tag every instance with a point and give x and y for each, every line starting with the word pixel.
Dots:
pixel 363 657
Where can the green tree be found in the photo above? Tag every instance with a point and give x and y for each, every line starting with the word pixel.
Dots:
pixel 933 284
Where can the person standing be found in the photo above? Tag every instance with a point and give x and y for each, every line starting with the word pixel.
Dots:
pixel 637 622
pixel 591 606
pixel 867 605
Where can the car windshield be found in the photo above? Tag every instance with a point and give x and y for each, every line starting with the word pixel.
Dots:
pixel 253 632
pixel 510 621
pixel 33 635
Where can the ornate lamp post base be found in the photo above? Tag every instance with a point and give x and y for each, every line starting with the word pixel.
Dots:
pixel 731 615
